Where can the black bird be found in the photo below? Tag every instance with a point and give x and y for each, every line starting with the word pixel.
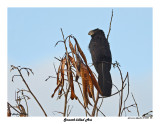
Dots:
pixel 102 59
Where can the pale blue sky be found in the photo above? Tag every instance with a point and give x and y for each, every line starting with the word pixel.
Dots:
pixel 33 32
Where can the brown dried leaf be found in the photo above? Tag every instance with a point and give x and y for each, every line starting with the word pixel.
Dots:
pixel 55 90
pixel 22 115
pixel 85 80
pixel 71 47
pixel 90 95
pixel 74 64
pixel 22 110
pixel 94 81
pixel 72 60
pixel 58 75
pixel 62 70
pixel 60 91
pixel 91 88
pixel 72 87
pixel 75 47
pixel 80 51
pixel 8 112
pixel 90 72
pixel 11 69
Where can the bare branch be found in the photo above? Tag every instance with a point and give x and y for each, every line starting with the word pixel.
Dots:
pixel 99 107
pixel 148 113
pixel 13 107
pixel 70 111
pixel 135 104
pixel 59 112
pixel 114 93
pixel 58 42
pixel 83 106
pixel 110 26
pixel 13 77
pixel 19 70
pixel 127 77
pixel 95 104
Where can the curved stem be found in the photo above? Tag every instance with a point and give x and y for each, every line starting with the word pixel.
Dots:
pixel 31 92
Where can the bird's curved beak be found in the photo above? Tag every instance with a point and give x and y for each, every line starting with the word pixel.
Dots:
pixel 91 32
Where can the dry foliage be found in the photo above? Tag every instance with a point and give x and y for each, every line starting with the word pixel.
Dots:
pixel 18 99
pixel 73 65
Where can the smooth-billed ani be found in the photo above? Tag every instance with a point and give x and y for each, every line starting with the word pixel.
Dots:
pixel 102 59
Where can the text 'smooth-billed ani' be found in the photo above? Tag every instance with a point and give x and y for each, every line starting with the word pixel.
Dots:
pixel 102 59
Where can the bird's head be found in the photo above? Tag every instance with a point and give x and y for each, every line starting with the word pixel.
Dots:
pixel 95 32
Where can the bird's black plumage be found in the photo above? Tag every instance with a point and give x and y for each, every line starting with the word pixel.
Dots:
pixel 102 59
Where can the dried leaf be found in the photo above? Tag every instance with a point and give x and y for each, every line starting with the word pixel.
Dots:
pixel 62 70
pixel 94 81
pixel 85 60
pixel 71 47
pixel 74 64
pixel 91 88
pixel 72 60
pixel 80 51
pixel 90 95
pixel 75 47
pixel 55 90
pixel 60 91
pixel 8 112
pixel 85 80
pixel 72 88
pixel 58 74
pixel 22 110
pixel 12 69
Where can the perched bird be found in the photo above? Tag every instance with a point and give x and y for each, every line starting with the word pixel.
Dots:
pixel 102 59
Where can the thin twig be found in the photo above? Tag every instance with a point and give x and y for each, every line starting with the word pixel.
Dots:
pixel 70 111
pixel 95 104
pixel 121 99
pixel 13 107
pixel 68 68
pixel 83 106
pixel 127 76
pixel 23 97
pixel 30 90
pixel 135 104
pixel 57 43
pixel 99 107
pixel 54 67
pixel 147 113
pixel 26 103
pixel 58 112
pixel 110 26
pixel 14 76
pixel 57 59
pixel 114 93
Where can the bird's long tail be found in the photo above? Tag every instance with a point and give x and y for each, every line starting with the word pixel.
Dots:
pixel 104 78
